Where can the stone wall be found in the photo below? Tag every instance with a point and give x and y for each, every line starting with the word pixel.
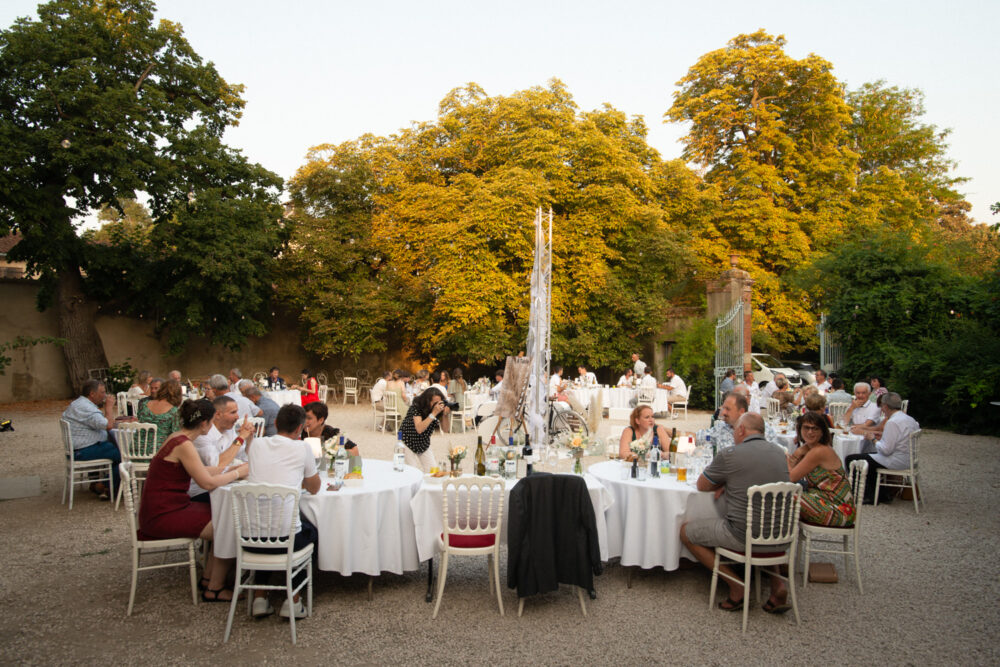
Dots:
pixel 38 372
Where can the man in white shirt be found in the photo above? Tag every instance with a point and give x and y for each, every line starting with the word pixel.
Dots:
pixel 498 387
pixel 862 413
pixel 638 365
pixel 735 405
pixel 234 378
pixel 244 406
pixel 893 450
pixel 777 384
pixel 647 378
pixel 222 443
pixel 753 390
pixel 286 460
pixel 626 379
pixel 439 381
pixel 556 385
pixel 822 382
pixel 378 389
pixel 587 378
pixel 675 386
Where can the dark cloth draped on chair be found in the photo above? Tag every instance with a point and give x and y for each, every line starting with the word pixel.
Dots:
pixel 551 535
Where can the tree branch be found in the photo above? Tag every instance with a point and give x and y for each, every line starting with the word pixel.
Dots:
pixel 138 84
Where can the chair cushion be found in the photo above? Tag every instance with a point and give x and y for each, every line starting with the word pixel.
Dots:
pixel 470 541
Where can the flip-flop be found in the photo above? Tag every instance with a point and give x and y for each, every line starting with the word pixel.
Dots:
pixel 203 584
pixel 734 605
pixel 215 593
pixel 773 608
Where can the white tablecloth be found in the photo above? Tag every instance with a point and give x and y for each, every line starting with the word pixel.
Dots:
pixel 367 528
pixel 428 514
pixel 786 439
pixel 847 444
pixel 285 396
pixel 474 399
pixel 644 522
pixel 619 397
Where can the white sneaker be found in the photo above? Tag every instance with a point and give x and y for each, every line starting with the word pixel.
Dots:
pixel 262 607
pixel 300 609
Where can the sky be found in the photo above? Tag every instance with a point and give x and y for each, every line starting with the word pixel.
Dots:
pixel 329 71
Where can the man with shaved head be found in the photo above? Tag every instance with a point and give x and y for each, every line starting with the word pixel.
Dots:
pixel 752 461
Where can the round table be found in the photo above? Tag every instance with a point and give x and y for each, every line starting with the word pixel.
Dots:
pixel 846 444
pixel 645 519
pixel 367 528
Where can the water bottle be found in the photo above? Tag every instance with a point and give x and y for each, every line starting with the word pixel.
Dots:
pixel 399 454
pixel 340 461
pixel 493 458
pixel 510 460
pixel 654 456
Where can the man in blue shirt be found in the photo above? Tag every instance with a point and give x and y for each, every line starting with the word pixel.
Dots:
pixel 91 417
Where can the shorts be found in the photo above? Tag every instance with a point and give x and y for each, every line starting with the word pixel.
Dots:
pixel 713 533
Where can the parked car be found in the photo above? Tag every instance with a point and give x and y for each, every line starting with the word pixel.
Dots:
pixel 765 367
pixel 805 369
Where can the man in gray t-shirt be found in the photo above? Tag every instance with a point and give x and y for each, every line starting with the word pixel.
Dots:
pixel 751 462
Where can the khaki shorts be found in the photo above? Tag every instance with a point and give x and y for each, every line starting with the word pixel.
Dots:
pixel 713 533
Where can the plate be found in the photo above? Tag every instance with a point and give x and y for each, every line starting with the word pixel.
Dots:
pixel 353 482
pixel 431 479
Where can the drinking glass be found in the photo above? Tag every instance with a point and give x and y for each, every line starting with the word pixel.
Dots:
pixel 643 473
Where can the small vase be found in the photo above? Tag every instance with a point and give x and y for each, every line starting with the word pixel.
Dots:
pixel 456 468
pixel 578 463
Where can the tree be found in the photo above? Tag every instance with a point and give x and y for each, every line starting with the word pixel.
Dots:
pixel 433 228
pixel 772 132
pixel 97 105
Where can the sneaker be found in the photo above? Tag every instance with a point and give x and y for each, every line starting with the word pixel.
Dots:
pixel 262 607
pixel 300 609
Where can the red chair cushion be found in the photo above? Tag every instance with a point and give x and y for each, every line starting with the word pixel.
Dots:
pixel 470 541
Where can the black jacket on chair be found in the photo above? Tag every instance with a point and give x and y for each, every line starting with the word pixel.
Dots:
pixel 551 535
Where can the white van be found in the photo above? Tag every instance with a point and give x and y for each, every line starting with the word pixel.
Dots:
pixel 765 367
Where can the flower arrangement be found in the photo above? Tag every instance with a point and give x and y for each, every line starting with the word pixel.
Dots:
pixel 456 454
pixel 639 447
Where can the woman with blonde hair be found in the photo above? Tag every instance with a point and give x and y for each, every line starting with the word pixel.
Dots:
pixel 641 426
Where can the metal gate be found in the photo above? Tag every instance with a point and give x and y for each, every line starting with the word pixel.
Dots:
pixel 831 355
pixel 728 346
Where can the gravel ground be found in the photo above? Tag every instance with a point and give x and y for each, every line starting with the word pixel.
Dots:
pixel 931 588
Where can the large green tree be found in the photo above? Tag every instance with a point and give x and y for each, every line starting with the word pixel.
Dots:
pixel 98 104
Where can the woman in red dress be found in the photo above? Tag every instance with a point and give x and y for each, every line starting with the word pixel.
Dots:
pixel 309 387
pixel 166 510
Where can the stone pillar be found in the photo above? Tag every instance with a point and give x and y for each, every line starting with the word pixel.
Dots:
pixel 724 292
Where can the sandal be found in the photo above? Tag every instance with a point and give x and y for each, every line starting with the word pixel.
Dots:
pixel 216 595
pixel 772 607
pixel 731 605
pixel 203 584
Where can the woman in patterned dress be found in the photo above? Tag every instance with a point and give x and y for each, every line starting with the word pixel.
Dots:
pixel 827 499
pixel 162 410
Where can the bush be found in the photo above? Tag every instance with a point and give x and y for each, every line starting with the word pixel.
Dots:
pixel 693 358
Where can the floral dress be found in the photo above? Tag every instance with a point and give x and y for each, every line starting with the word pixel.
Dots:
pixel 828 501
pixel 167 423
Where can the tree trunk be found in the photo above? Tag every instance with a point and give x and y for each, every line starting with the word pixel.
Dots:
pixel 78 325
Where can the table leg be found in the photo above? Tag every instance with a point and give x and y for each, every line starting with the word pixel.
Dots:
pixel 429 597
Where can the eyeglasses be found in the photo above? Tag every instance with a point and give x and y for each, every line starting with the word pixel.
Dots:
pixel 807 427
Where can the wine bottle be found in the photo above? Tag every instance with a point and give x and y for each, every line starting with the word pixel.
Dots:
pixel 654 455
pixel 480 458
pixel 528 456
pixel 673 447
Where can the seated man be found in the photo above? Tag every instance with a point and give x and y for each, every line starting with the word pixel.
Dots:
pixel 439 380
pixel 838 395
pixel 378 389
pixel 823 382
pixel 779 383
pixel 626 378
pixel 244 406
pixel 284 459
pixel 268 408
pixel 728 382
pixel 587 378
pixel 893 449
pixel 91 417
pixel 221 444
pixel 498 387
pixel 274 381
pixel 751 462
pixel 753 391
pixel 176 375
pixel 235 375
pixel 862 414
pixel 678 392
pixel 734 405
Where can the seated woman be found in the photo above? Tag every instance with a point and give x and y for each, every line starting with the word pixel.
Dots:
pixel 316 427
pixel 815 402
pixel 166 511
pixel 163 411
pixel 827 500
pixel 309 387
pixel 878 387
pixel 641 426
pixel 397 386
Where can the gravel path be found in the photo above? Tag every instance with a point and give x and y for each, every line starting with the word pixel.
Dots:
pixel 931 588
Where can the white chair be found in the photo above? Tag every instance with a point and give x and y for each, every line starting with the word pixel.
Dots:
pixel 390 408
pixel 485 409
pixel 459 415
pixel 133 403
pixel 906 405
pixel 775 522
pixel 258 426
pixel 142 546
pixel 121 404
pixel 645 396
pixel 837 412
pixel 823 534
pixel 263 516
pixel 137 444
pixel 351 389
pixel 683 405
pixel 259 378
pixel 323 392
pixel 364 381
pixel 473 517
pixel 908 476
pixel 78 472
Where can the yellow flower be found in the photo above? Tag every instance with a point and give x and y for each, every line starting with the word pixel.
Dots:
pixel 577 441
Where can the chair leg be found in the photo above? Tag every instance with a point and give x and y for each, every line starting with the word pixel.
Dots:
pixel 135 575
pixel 291 601
pixel 857 562
pixel 715 583
pixel 520 607
pixel 496 581
pixel 72 488
pixel 583 605
pixel 805 562
pixel 746 591
pixel 489 571
pixel 913 490
pixel 878 483
pixel 232 605
pixel 309 586
pixel 791 588
pixel 442 575
pixel 192 570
